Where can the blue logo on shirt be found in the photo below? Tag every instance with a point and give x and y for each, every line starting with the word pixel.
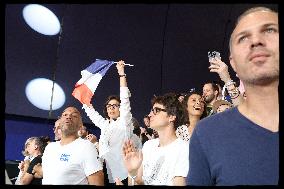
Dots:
pixel 64 157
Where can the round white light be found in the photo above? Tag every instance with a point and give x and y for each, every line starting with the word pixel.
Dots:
pixel 38 92
pixel 41 19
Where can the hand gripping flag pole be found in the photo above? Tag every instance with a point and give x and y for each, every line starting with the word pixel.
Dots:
pixel 125 64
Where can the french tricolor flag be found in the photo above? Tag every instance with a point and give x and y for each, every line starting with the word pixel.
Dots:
pixel 91 77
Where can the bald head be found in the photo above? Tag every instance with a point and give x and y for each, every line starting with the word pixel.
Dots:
pixel 73 112
pixel 71 121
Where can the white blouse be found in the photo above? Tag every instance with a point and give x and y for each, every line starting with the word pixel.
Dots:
pixel 183 133
pixel 113 135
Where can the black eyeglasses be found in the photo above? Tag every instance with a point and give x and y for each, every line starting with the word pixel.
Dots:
pixel 157 110
pixel 112 105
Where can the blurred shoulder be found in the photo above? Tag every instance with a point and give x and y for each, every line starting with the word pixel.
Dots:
pixel 218 120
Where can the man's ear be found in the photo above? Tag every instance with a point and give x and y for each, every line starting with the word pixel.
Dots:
pixel 232 62
pixel 216 93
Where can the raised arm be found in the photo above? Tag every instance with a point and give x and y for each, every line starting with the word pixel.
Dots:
pixel 125 109
pixel 121 73
pixel 95 117
pixel 221 68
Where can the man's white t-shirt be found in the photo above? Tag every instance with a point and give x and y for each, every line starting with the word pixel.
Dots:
pixel 69 164
pixel 162 164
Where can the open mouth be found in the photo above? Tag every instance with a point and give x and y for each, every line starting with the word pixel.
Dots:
pixel 67 122
pixel 197 108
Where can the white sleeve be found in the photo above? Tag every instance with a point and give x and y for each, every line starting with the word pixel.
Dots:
pixel 125 110
pixel 91 163
pixel 182 160
pixel 95 117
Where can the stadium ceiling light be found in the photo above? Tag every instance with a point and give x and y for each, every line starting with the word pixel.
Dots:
pixel 41 19
pixel 39 91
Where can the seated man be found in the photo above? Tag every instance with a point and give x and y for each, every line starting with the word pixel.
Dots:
pixel 34 146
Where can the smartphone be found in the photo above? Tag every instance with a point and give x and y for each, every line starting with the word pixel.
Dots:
pixel 214 54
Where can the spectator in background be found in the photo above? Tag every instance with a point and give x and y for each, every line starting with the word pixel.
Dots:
pixel 28 157
pixel 221 105
pixel 85 134
pixel 220 95
pixel 136 134
pixel 35 147
pixel 115 128
pixel 217 66
pixel 181 96
pixel 37 168
pixel 72 160
pixel 210 94
pixel 240 146
pixel 146 132
pixel 57 131
pixel 165 159
pixel 149 132
pixel 83 131
pixel 45 139
pixel 195 106
pixel 146 120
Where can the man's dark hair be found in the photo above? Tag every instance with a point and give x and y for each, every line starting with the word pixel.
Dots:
pixel 214 87
pixel 136 126
pixel 39 142
pixel 45 140
pixel 173 107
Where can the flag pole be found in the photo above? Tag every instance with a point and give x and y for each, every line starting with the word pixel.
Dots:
pixel 125 64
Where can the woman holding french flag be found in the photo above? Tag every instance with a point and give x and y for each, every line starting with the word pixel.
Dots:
pixel 115 128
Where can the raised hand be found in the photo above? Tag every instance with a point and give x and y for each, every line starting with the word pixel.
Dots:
pixel 216 65
pixel 132 157
pixel 120 67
